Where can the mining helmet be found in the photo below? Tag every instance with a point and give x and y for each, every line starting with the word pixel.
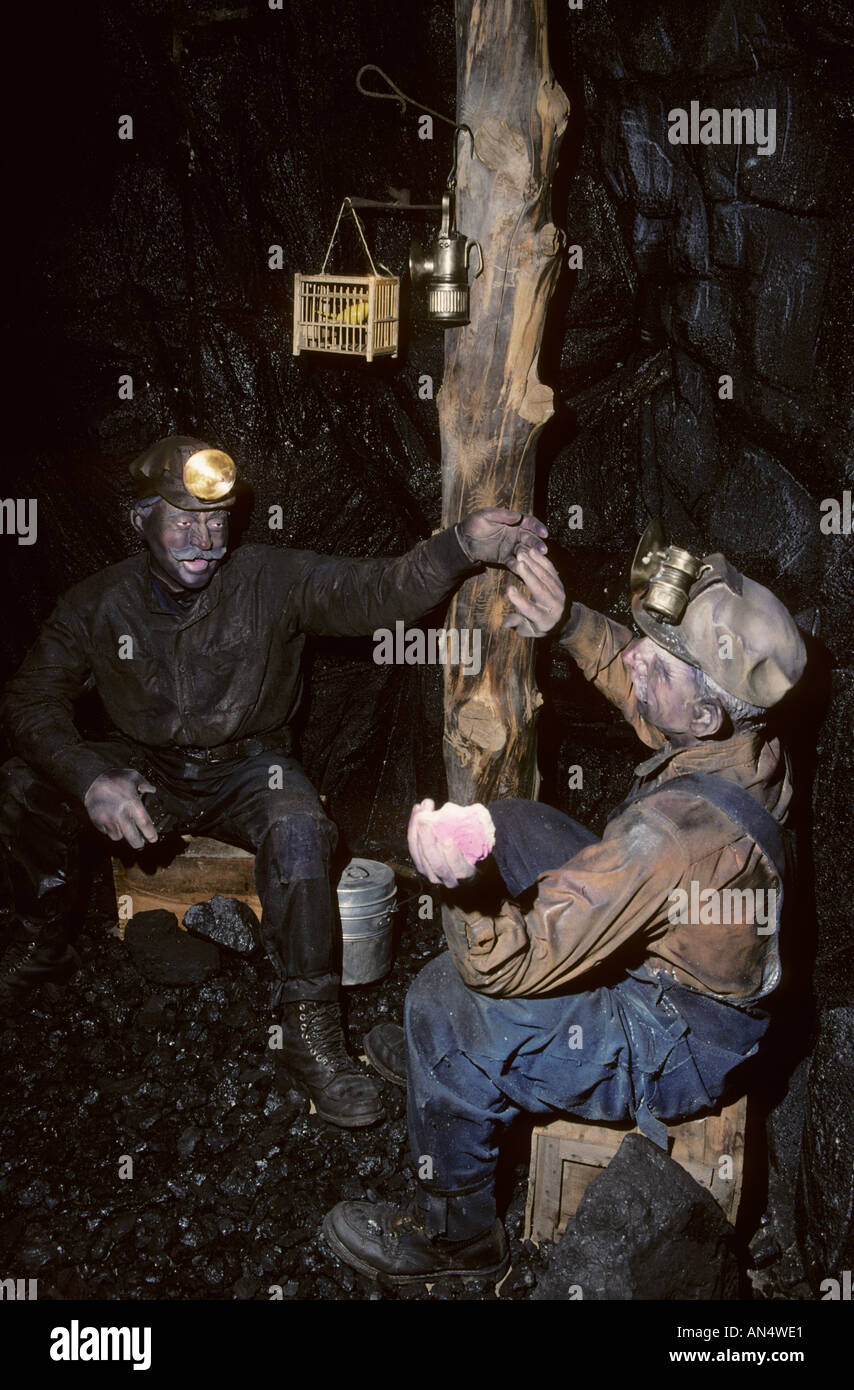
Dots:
pixel 713 617
pixel 186 472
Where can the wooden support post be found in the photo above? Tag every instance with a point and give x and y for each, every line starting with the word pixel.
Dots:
pixel 492 404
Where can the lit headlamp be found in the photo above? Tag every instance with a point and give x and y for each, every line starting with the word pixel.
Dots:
pixel 209 474
pixel 186 473
pixel 662 575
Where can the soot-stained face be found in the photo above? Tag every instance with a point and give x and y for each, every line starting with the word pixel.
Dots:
pixel 666 692
pixel 186 547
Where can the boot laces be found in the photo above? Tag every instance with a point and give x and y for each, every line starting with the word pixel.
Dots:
pixel 320 1026
pixel 12 957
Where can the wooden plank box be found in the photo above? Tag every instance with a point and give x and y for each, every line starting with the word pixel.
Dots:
pixel 201 869
pixel 566 1155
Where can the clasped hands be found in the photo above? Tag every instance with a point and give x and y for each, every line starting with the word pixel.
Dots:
pixel 447 845
pixel 496 536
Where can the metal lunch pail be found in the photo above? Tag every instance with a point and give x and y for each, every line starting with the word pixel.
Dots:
pixel 367 895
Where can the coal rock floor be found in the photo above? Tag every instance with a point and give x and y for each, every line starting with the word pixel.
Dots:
pixel 230 1173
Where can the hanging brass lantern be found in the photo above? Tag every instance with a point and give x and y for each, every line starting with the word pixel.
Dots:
pixel 444 269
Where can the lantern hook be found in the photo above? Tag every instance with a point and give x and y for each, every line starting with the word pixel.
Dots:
pixel 403 101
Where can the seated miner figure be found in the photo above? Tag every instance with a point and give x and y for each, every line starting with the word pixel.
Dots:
pixel 622 979
pixel 196 655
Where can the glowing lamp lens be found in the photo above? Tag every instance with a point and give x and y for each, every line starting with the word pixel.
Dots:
pixel 209 474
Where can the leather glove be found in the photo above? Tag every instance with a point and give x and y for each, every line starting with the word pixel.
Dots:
pixel 542 607
pixel 114 807
pixel 446 845
pixel 493 535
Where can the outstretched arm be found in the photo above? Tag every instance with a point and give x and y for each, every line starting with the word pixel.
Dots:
pixel 342 597
pixel 596 644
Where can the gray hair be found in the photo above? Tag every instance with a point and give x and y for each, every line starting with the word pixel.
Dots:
pixel 144 505
pixel 741 713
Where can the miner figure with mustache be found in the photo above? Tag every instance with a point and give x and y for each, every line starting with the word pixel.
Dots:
pixel 196 655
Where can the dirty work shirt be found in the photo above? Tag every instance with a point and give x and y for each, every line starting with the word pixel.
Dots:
pixel 230 669
pixel 616 893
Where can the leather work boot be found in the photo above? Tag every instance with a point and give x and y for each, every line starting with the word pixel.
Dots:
pixel 314 1053
pixel 385 1049
pixel 378 1238
pixel 25 965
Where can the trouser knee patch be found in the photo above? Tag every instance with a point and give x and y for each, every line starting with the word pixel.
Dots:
pixel 299 846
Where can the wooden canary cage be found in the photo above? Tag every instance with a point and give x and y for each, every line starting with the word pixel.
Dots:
pixel 357 315
pixel 354 314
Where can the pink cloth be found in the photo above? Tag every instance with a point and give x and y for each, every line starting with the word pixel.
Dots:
pixel 469 828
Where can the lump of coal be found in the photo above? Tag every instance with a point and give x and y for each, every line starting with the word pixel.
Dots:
pixel 644 1229
pixel 165 954
pixel 226 921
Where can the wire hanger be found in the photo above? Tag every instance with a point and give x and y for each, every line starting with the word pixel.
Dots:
pixel 403 101
pixel 347 203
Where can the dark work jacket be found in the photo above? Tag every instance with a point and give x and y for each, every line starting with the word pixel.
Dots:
pixel 230 669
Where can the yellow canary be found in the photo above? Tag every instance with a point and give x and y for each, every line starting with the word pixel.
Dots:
pixel 353 313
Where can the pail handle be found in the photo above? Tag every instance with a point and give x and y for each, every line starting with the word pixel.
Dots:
pixel 356 871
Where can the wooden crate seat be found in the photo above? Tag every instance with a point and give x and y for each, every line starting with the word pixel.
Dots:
pixel 201 869
pixel 567 1154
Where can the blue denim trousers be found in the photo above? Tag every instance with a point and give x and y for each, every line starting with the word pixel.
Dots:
pixel 638 1048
